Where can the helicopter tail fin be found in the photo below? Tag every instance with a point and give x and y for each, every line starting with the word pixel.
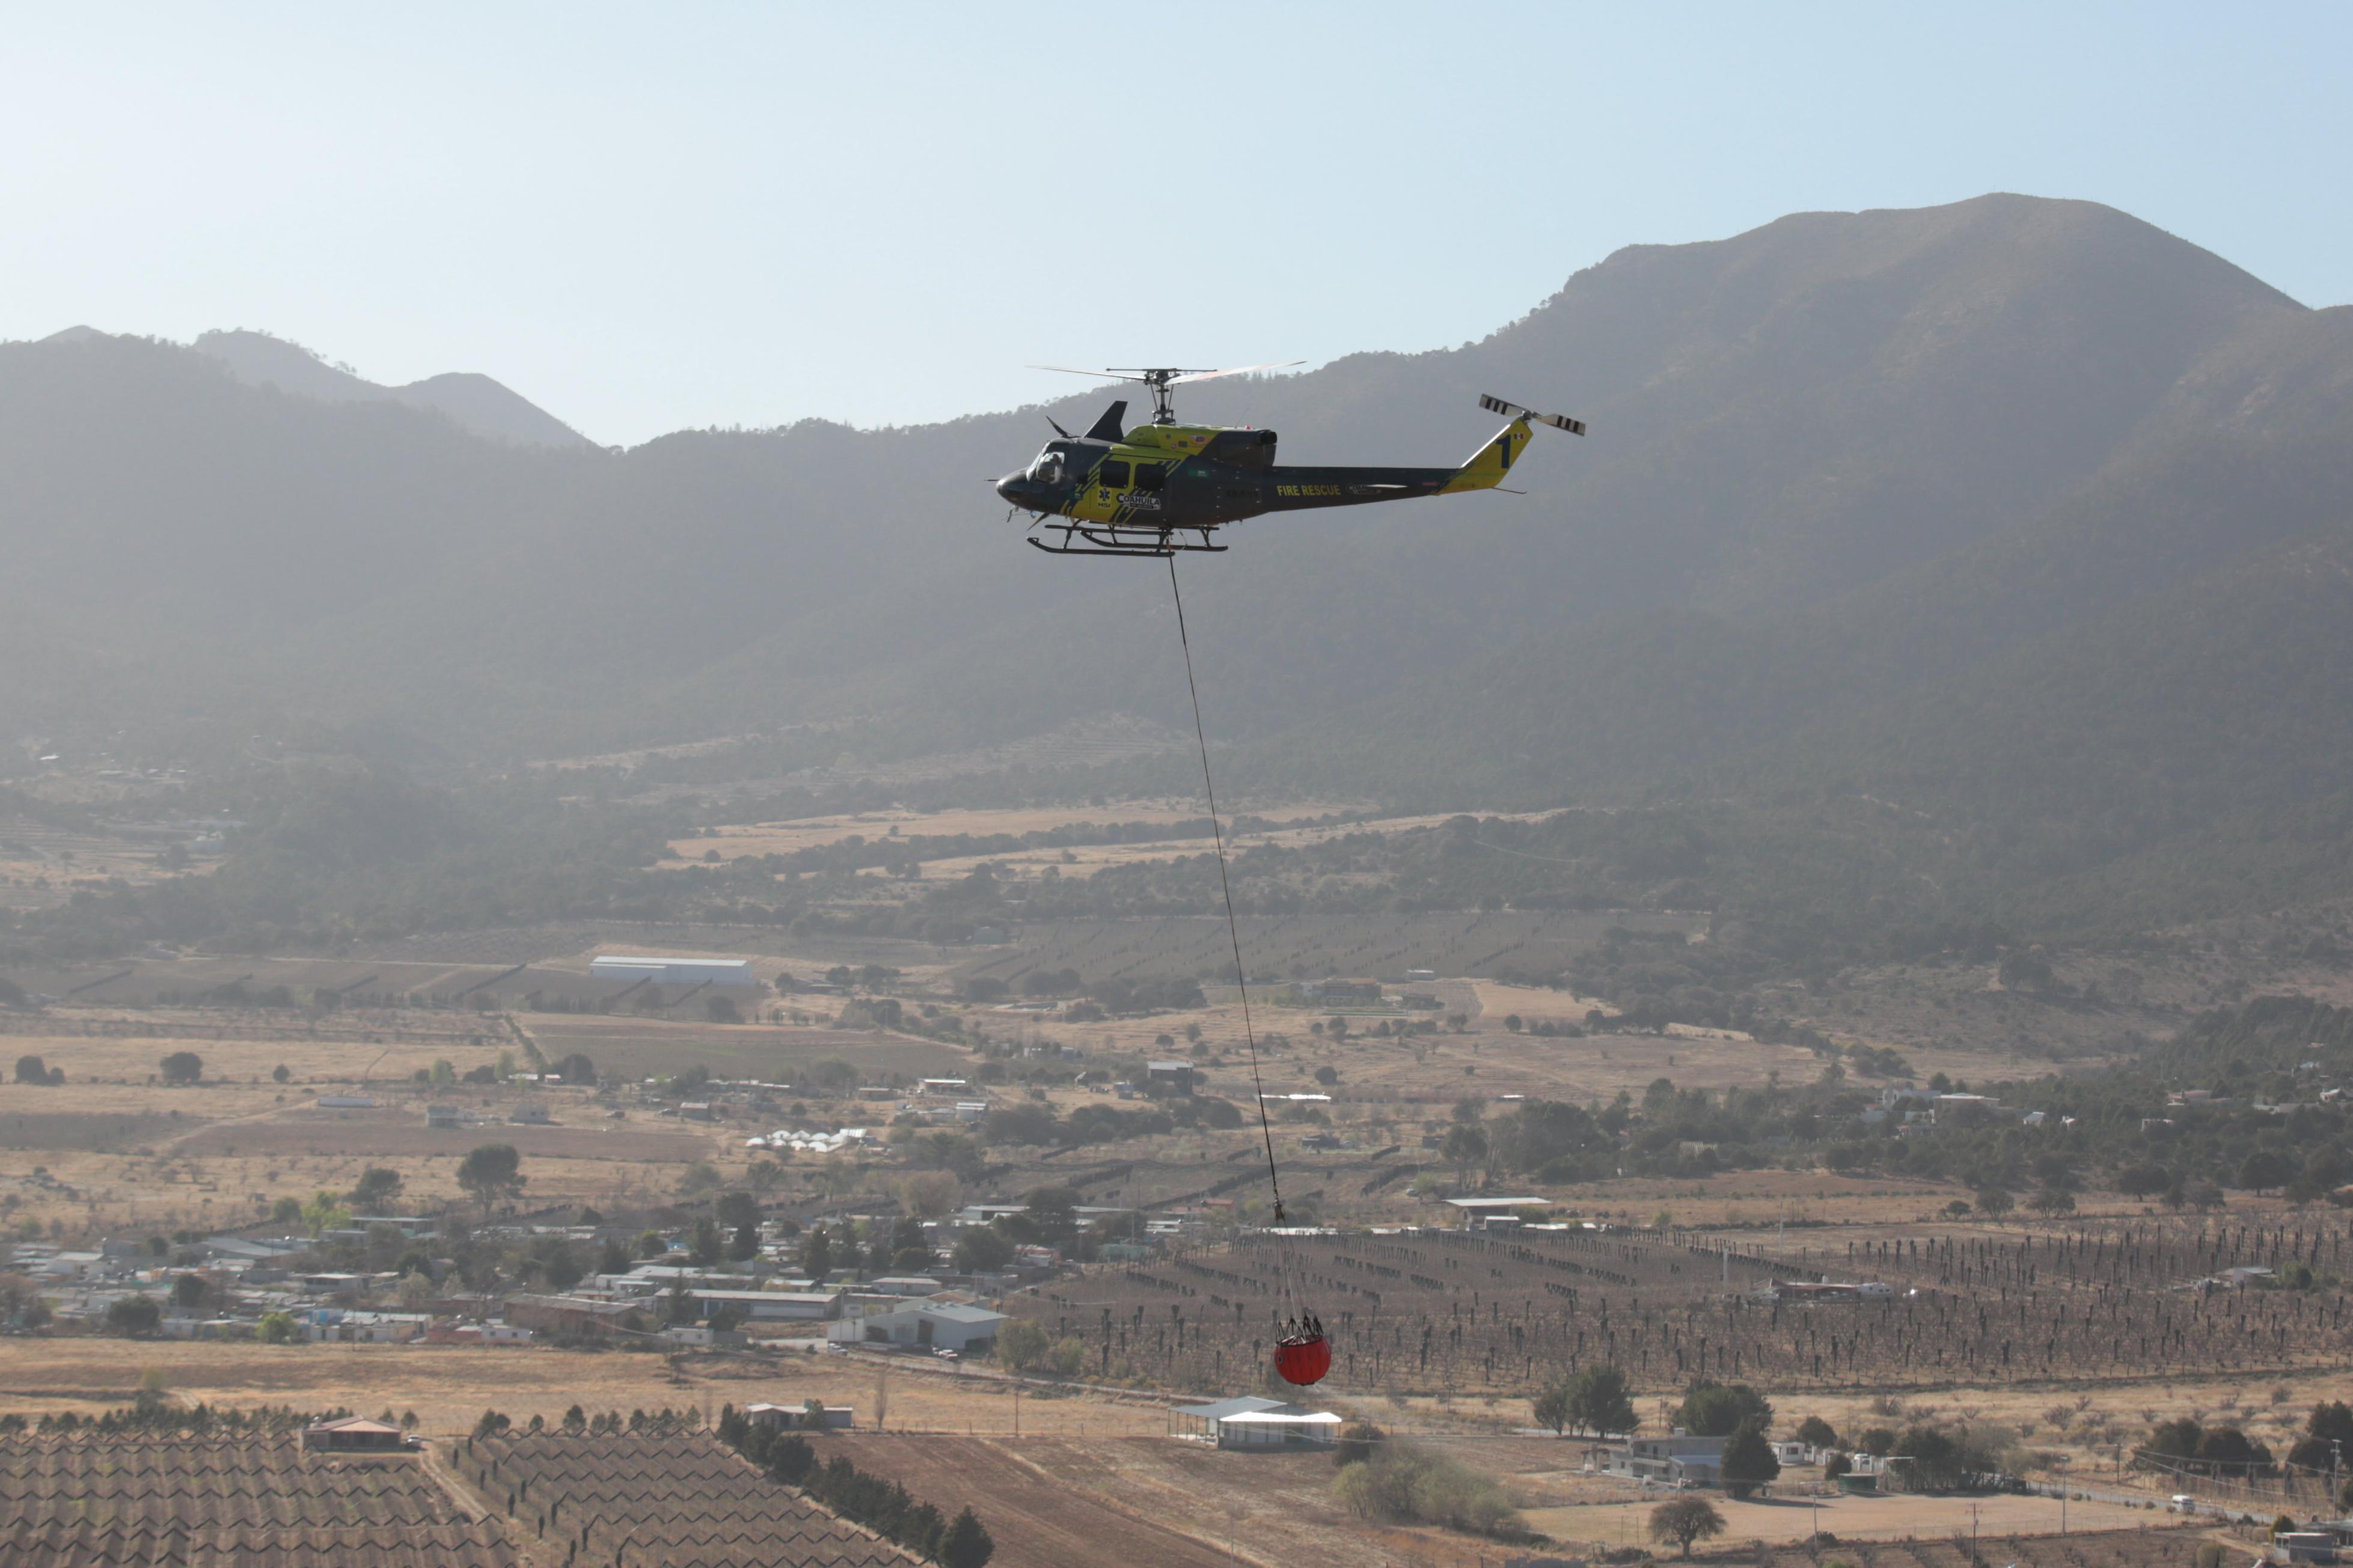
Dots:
pixel 1490 463
pixel 1109 427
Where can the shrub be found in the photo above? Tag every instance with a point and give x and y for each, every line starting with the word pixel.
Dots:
pixel 1022 1344
pixel 1359 1441
pixel 1405 1485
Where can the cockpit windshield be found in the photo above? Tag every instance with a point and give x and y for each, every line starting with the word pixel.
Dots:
pixel 1047 467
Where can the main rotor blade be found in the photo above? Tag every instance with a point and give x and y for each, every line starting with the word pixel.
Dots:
pixel 1098 374
pixel 1237 370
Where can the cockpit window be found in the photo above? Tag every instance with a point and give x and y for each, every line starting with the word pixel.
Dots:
pixel 1046 467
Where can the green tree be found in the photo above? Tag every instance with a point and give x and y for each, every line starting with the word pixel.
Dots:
pixel 325 1212
pixel 377 1188
pixel 817 1253
pixel 1748 1459
pixel 1055 1212
pixel 493 1173
pixel 2330 1423
pixel 965 1544
pixel 980 1250
pixel 577 1068
pixel 1816 1433
pixel 133 1317
pixel 275 1328
pixel 444 1075
pixel 1718 1409
pixel 708 1246
pixel 1994 1201
pixel 183 1068
pixel 746 1244
pixel 281 1073
pixel 1599 1401
pixel 1022 1344
pixel 930 1195
pixel 188 1291
pixel 1551 1407
pixel 1465 1149
pixel 286 1211
pixel 32 1069
pixel 1683 1520
pixel 1592 1400
pixel 1930 1459
pixel 2265 1169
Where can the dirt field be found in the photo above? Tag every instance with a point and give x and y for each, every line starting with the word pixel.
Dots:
pixel 631 1048
pixel 1037 1518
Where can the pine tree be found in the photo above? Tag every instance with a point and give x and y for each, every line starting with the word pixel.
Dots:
pixel 966 1544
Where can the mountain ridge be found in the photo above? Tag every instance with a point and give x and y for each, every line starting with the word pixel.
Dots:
pixel 1842 467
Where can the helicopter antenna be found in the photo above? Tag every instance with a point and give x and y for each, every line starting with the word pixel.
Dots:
pixel 1160 378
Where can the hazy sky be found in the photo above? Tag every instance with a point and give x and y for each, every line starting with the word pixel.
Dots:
pixel 651 216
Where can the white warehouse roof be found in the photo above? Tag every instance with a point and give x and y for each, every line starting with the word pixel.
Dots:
pixel 674 970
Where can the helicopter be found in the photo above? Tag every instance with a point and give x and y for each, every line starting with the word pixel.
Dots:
pixel 1165 488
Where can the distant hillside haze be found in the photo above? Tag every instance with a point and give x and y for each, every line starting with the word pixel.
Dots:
pixel 2021 514
pixel 474 403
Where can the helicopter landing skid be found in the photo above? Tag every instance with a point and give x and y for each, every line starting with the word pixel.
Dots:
pixel 1155 543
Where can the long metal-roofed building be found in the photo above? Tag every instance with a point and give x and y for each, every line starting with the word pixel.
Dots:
pixel 674 970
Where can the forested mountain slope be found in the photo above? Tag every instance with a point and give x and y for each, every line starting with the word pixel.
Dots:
pixel 2020 514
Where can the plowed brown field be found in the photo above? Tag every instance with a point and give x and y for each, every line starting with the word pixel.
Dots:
pixel 1036 1519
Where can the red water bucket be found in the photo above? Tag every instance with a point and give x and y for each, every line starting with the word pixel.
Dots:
pixel 1303 1359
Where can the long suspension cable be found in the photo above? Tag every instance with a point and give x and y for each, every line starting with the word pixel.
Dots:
pixel 1233 930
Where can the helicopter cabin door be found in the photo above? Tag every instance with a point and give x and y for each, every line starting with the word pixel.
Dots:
pixel 1107 490
pixel 1151 485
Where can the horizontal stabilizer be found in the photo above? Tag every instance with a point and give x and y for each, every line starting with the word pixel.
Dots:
pixel 1513 411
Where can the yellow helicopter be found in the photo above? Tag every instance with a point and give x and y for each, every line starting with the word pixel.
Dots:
pixel 1162 487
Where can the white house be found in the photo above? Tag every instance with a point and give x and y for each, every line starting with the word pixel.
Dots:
pixel 1255 1423
pixel 1679 1460
pixel 770 1306
pixel 935 1325
pixel 334 1325
pixel 664 971
pixel 785 1417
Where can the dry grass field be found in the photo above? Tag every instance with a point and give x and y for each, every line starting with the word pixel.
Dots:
pixel 448 1386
